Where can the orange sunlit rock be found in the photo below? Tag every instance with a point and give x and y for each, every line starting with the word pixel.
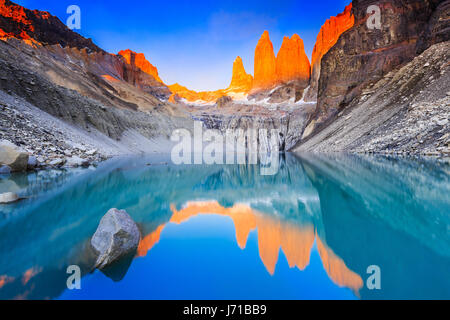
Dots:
pixel 337 270
pixel 16 13
pixel 330 33
pixel 265 63
pixel 149 241
pixel 296 244
pixel 295 241
pixel 193 96
pixel 29 274
pixel 269 242
pixel 109 78
pixel 4 280
pixel 241 81
pixel 292 62
pixel 139 60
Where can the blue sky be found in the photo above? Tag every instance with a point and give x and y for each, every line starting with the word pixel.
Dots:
pixel 193 42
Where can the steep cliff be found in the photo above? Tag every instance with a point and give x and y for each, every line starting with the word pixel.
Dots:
pixel 363 55
pixel 49 35
pixel 138 60
pixel 327 38
pixel 386 90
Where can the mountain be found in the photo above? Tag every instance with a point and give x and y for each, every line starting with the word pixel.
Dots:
pixel 241 84
pixel 291 63
pixel 386 90
pixel 376 90
pixel 39 26
pixel 366 55
pixel 74 97
pixel 327 38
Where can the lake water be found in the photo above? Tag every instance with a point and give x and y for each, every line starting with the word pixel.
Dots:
pixel 227 232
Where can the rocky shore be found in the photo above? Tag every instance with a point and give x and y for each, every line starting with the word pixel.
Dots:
pixel 45 145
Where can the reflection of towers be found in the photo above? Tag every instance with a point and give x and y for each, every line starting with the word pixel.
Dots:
pixel 296 241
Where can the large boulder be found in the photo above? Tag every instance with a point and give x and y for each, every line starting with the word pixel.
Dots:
pixel 13 156
pixel 116 237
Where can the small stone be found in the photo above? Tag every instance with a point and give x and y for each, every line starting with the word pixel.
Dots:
pixel 91 152
pixel 432 153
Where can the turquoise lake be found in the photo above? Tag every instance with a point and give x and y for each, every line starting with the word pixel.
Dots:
pixel 311 231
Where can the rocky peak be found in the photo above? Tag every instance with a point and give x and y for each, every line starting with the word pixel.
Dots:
pixel 39 26
pixel 265 63
pixel 292 62
pixel 241 80
pixel 138 60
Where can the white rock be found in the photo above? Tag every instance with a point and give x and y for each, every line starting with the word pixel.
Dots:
pixel 8 197
pixel 77 162
pixel 117 236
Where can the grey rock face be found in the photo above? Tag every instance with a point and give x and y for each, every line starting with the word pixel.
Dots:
pixel 403 113
pixel 116 237
pixel 13 157
pixel 8 197
pixel 5 170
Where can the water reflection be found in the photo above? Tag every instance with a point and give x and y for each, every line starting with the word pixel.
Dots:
pixel 295 241
pixel 356 211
